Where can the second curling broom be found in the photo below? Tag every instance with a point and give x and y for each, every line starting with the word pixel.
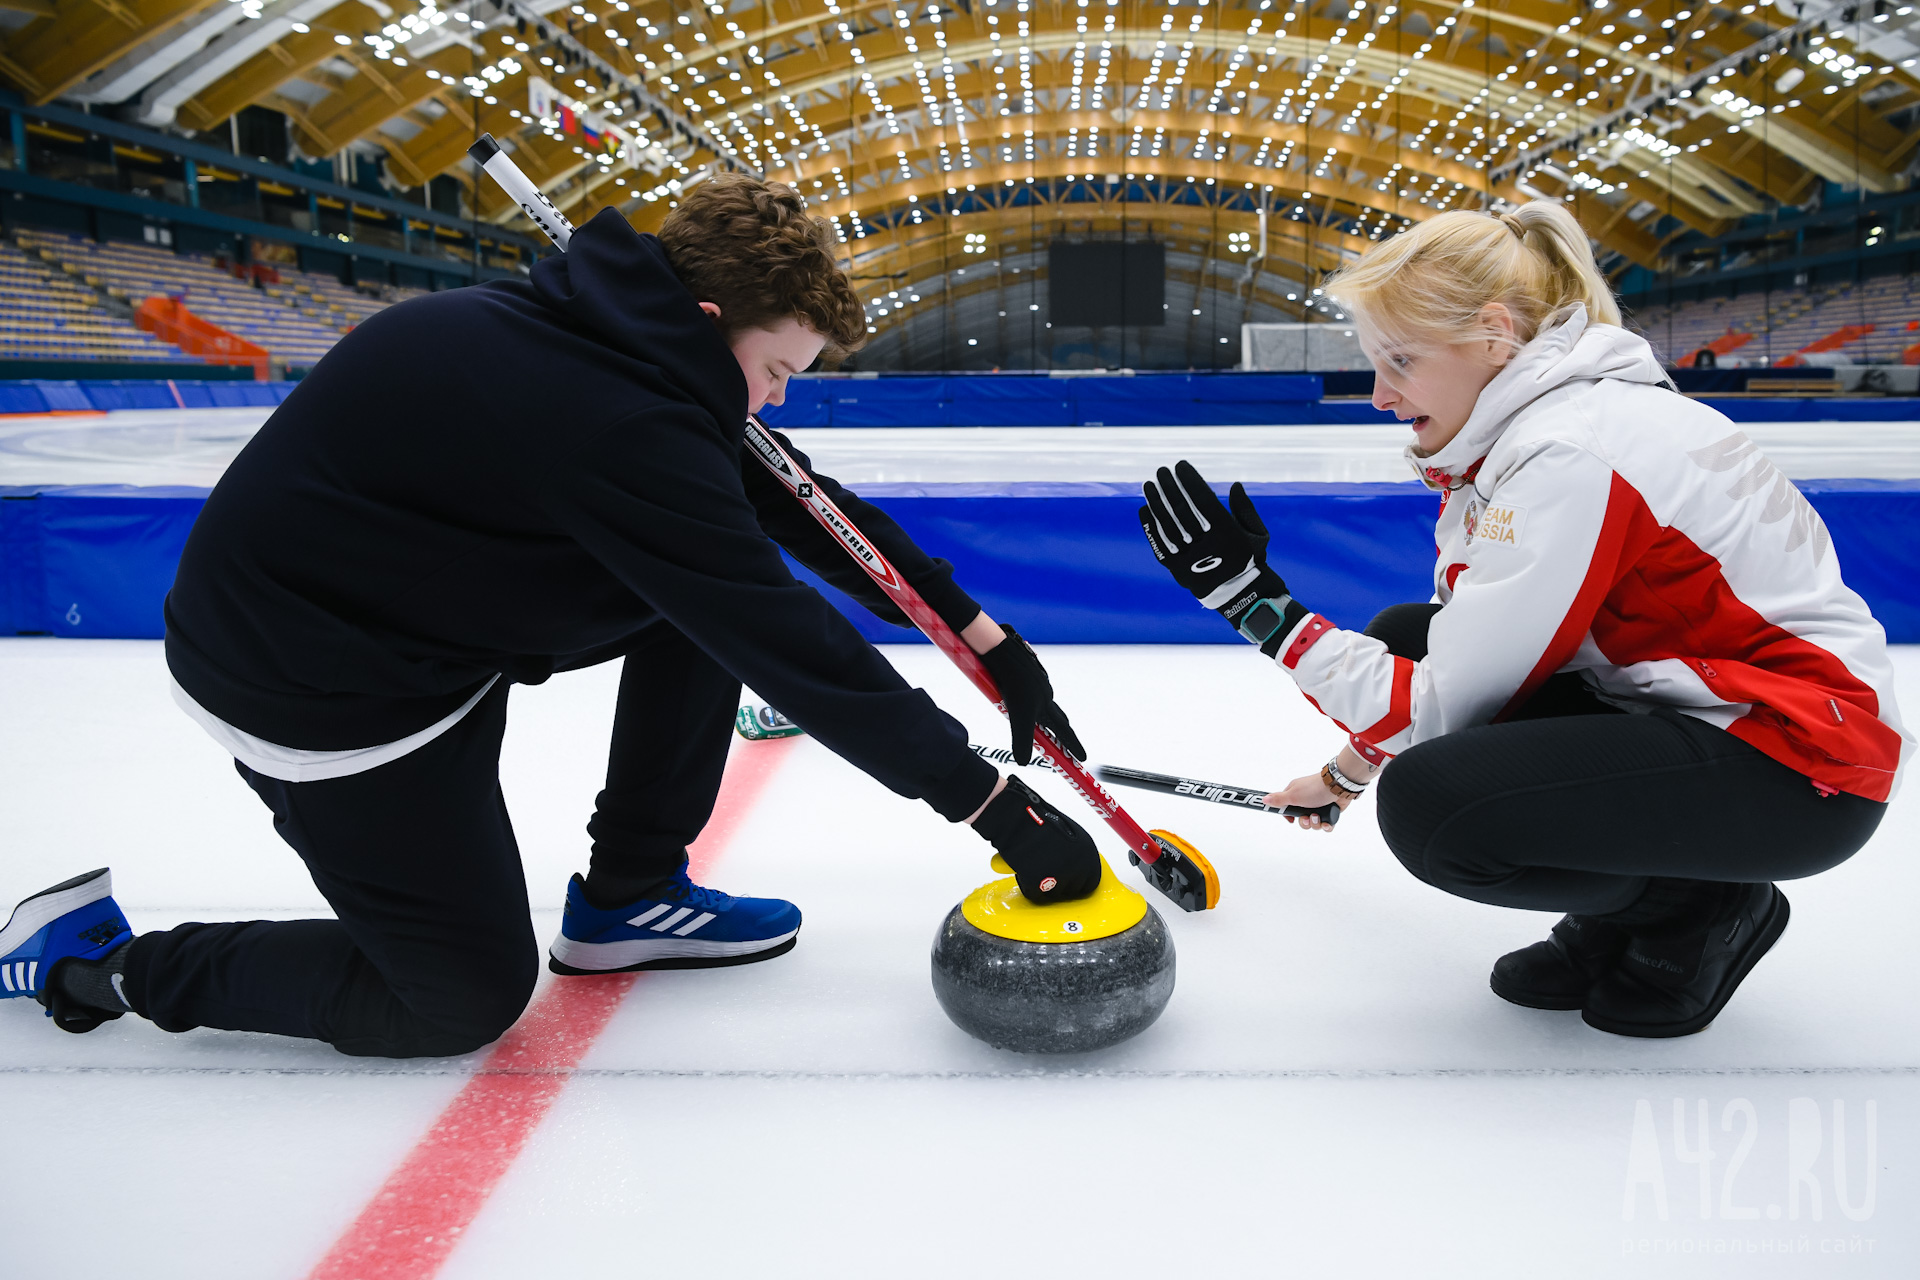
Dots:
pixel 757 722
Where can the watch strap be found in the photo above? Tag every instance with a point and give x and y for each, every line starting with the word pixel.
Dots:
pixel 1265 613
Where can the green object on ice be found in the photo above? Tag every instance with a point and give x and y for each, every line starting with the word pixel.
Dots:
pixel 756 723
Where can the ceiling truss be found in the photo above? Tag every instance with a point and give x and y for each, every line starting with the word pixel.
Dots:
pixel 1353 117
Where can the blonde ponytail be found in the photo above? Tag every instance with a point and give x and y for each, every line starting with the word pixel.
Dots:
pixel 1427 288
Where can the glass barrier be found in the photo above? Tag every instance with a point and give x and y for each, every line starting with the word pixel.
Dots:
pixel 69 151
pixel 284 214
pixel 379 234
pixel 232 194
pixel 63 164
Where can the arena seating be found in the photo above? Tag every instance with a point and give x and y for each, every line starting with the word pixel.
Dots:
pixel 52 317
pixel 1876 321
pixel 1891 304
pixel 137 271
pixel 325 299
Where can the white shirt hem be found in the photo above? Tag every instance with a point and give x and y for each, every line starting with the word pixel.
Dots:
pixel 291 764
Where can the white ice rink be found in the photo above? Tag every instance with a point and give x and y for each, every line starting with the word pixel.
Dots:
pixel 193 447
pixel 1333 1091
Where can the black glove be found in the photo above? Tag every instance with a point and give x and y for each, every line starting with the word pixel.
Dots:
pixel 1052 858
pixel 1218 554
pixel 1028 696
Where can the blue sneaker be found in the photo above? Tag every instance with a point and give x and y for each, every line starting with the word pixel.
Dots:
pixel 76 919
pixel 683 926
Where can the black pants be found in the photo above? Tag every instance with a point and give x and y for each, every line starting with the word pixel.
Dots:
pixel 433 950
pixel 1571 805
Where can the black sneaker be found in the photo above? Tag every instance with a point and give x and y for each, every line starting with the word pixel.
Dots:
pixel 1674 980
pixel 1557 973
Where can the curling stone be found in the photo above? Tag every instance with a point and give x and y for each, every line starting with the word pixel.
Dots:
pixel 1067 977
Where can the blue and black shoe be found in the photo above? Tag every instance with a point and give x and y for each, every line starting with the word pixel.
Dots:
pixel 681 926
pixel 74 922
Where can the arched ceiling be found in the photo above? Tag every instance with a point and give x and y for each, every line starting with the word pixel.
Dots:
pixel 914 124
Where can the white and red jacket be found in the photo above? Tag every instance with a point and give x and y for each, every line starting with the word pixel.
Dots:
pixel 1595 521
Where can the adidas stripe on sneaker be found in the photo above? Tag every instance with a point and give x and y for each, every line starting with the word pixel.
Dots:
pixel 681 926
pixel 76 919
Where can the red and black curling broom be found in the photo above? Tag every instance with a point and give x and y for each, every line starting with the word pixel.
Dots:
pixel 1169 863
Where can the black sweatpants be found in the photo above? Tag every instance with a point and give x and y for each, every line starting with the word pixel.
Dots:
pixel 1571 804
pixel 433 950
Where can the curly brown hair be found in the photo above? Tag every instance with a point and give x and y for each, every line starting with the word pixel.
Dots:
pixel 750 248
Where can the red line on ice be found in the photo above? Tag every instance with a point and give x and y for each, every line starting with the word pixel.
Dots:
pixel 419 1214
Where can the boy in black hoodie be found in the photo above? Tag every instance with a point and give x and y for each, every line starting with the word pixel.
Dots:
pixel 480 488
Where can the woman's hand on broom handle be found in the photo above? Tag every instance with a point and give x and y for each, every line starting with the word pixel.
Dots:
pixel 1312 791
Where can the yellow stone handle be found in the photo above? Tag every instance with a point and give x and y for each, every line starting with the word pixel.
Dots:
pixel 1000 864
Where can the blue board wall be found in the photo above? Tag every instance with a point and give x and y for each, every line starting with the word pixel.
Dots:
pixel 1018 400
pixel 1063 562
pixel 981 400
pixel 48 396
pixel 1175 400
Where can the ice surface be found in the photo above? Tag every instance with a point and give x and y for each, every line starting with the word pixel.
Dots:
pixel 127 446
pixel 194 446
pixel 1803 450
pixel 1332 1092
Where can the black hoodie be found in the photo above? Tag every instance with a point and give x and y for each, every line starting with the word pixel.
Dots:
pixel 519 478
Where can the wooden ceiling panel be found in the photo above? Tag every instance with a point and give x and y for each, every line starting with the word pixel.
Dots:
pixel 874 107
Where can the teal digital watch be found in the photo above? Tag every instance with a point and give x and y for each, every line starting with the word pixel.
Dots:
pixel 1264 617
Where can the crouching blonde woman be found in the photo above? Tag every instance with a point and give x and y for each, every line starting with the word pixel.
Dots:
pixel 1641 692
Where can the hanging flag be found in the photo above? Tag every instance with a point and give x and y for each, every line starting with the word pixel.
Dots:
pixel 544 102
pixel 623 145
pixel 541 98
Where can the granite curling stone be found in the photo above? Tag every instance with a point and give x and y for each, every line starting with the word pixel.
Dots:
pixel 1068 977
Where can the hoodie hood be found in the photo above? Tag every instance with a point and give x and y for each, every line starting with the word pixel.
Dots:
pixel 1569 350
pixel 617 285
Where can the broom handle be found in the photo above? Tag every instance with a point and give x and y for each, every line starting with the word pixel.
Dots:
pixel 901 592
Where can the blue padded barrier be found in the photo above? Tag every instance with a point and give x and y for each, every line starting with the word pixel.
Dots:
pixel 1018 400
pixel 198 395
pixel 22 602
pixel 21 397
pixel 1813 409
pixel 1011 402
pixel 44 396
pixel 233 395
pixel 108 554
pixel 1351 382
pixel 1250 398
pixel 63 396
pixel 999 400
pixel 1063 562
pixel 1876 533
pixel 806 404
pixel 1178 400
pixel 1340 412
pixel 888 402
pixel 130 395
pixel 1160 400
pixel 1066 562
